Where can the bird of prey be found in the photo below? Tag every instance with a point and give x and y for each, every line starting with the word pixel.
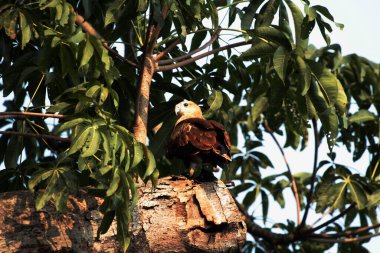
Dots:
pixel 202 144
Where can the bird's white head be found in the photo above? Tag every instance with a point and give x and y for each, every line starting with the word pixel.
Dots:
pixel 188 108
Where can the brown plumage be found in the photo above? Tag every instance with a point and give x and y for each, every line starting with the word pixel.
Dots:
pixel 198 142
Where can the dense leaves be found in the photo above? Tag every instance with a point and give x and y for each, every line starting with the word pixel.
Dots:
pixel 53 62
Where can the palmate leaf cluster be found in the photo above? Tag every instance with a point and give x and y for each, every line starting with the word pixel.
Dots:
pixel 277 80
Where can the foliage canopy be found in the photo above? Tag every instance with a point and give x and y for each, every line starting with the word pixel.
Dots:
pixel 75 99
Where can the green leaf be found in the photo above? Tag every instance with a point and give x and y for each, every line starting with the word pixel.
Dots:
pixel 13 151
pixel 138 153
pixel 330 126
pixel 357 194
pixel 45 196
pixel 304 76
pixel 298 19
pixel 341 99
pixel 249 14
pixel 280 62
pixel 71 124
pixel 122 229
pixel 48 4
pixel 93 92
pixel 39 176
pixel 213 13
pixel 103 95
pixel 374 198
pixel 25 29
pixel 259 106
pixel 79 140
pixel 150 162
pixel 325 12
pixel 362 116
pixel 88 52
pixel 267 13
pixel 133 188
pixel 114 185
pixel 331 195
pixel 271 34
pixel 214 102
pixel 106 223
pixel 258 50
pixel 154 178
pixel 142 5
pixel 92 143
pixel 265 205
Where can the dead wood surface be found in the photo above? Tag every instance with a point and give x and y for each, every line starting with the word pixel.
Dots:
pixel 180 216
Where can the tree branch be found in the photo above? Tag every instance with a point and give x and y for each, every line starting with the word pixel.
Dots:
pixel 185 56
pixel 88 28
pixel 191 60
pixel 314 174
pixel 257 231
pixel 340 215
pixel 291 178
pixel 348 232
pixel 40 136
pixel 23 115
pixel 167 50
pixel 343 240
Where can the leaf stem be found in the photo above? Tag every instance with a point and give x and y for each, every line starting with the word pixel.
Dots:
pixel 291 178
pixel 185 56
pixel 314 174
pixel 191 60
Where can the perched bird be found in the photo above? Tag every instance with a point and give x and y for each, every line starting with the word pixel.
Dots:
pixel 202 144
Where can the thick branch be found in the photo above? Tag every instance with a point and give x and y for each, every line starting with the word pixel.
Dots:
pixel 291 178
pixel 88 28
pixel 40 136
pixel 314 174
pixel 257 231
pixel 185 56
pixel 142 100
pixel 146 75
pixel 191 60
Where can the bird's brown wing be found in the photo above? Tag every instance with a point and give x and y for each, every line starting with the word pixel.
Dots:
pixel 199 136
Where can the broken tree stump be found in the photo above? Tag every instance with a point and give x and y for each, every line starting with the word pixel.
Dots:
pixel 179 216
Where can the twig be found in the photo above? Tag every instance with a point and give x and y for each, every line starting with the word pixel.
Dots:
pixel 88 28
pixel 23 115
pixel 340 215
pixel 347 232
pixel 191 60
pixel 313 175
pixel 185 56
pixel 343 240
pixel 257 231
pixel 291 178
pixel 40 136
pixel 167 50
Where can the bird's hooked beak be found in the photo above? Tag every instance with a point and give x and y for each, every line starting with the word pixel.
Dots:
pixel 177 109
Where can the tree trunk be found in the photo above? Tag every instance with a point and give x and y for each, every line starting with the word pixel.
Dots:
pixel 180 216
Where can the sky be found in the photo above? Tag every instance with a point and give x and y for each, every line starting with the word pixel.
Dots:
pixel 360 35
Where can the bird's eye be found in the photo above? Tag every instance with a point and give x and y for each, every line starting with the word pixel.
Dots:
pixel 185 104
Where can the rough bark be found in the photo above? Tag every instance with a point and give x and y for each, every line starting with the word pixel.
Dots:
pixel 142 100
pixel 180 216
